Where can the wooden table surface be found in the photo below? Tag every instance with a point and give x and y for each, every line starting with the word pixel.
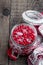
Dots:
pixel 4 36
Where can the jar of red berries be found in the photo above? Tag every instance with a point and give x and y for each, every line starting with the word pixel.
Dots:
pixel 22 38
pixel 36 58
pixel 33 17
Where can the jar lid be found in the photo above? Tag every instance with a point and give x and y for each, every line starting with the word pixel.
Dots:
pixel 38 51
pixel 33 17
pixel 23 34
pixel 37 55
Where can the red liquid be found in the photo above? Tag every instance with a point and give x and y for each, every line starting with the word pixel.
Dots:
pixel 23 34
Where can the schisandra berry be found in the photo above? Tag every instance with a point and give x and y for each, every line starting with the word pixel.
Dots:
pixel 23 34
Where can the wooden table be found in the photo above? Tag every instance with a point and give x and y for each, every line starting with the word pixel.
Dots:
pixel 4 36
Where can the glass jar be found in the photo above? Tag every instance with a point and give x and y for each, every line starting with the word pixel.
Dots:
pixel 33 17
pixel 36 58
pixel 22 38
pixel 41 29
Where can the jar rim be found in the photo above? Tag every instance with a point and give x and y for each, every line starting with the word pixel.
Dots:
pixel 29 15
pixel 33 28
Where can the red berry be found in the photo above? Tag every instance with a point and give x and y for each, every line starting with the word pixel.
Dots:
pixel 26 33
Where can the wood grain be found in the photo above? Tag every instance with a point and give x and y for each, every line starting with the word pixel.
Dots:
pixel 4 36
